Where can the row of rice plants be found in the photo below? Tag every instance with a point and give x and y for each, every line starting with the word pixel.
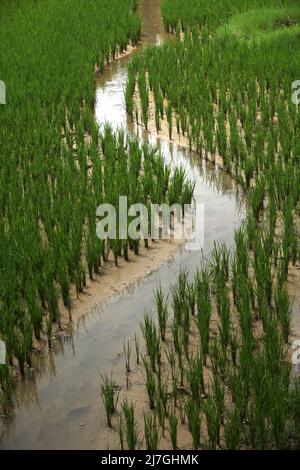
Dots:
pixel 56 168
pixel 222 376
pixel 224 360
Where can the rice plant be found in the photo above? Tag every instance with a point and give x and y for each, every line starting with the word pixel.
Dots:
pixel 152 340
pixel 137 349
pixel 232 430
pixel 162 312
pixel 194 420
pixel 213 422
pixel 194 377
pixel 127 355
pixel 151 432
pixel 109 396
pixel 150 383
pixel 173 429
pixel 130 426
pixel 283 311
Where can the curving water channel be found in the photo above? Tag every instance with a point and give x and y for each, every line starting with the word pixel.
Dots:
pixel 60 407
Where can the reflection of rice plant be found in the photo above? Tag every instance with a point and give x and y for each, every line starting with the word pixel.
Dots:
pixel 5 389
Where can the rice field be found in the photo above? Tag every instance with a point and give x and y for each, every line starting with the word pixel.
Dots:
pixel 57 166
pixel 221 369
pixel 213 356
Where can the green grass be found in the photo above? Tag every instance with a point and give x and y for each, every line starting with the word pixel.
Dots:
pixel 255 24
pixel 211 13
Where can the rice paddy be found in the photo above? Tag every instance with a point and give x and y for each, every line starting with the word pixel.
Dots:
pixel 57 166
pixel 208 366
pixel 224 358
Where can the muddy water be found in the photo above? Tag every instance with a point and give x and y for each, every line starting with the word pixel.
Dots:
pixel 60 407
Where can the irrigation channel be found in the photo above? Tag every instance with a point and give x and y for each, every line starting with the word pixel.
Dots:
pixel 60 407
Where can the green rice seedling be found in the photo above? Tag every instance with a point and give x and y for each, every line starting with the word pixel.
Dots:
pixel 176 336
pixel 162 312
pixel 151 337
pixel 273 346
pixel 189 411
pixel 257 408
pixel 127 355
pixel 258 198
pixel 49 331
pixel 185 330
pixel 241 253
pixel 65 289
pixel 170 353
pixel 150 383
pixel 223 305
pixel 191 292
pixel 161 415
pixel 130 426
pixel 239 390
pixel 218 358
pixel 169 113
pixel 204 310
pixel 173 429
pixel 194 377
pixel 258 428
pixel 177 300
pixel 109 396
pixel 233 341
pixel 213 422
pixel 283 311
pixel 278 414
pixel 181 409
pixel 137 349
pixel 250 229
pixel 232 430
pixel 151 432
pixel 121 431
pixel 194 421
pixel 263 272
pixel 162 391
pixel 175 388
pixel 244 307
pixel 220 263
pixel 219 396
